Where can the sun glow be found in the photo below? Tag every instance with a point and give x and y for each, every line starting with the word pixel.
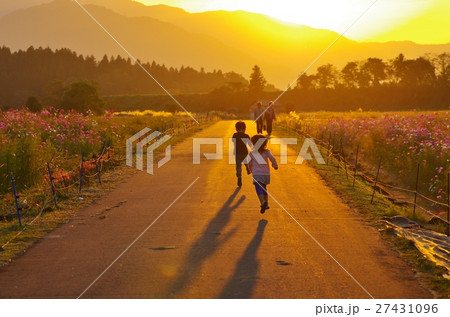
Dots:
pixel 386 20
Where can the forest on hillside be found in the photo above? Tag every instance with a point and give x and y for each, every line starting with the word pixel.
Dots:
pixel 45 74
pixel 371 84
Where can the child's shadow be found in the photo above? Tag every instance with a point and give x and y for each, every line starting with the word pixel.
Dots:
pixel 242 282
pixel 207 243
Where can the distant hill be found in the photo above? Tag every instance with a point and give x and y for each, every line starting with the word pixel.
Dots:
pixel 63 24
pixel 213 40
pixel 12 5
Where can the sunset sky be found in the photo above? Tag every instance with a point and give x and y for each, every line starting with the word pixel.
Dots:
pixel 421 21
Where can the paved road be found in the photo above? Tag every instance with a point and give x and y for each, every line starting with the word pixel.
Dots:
pixel 212 242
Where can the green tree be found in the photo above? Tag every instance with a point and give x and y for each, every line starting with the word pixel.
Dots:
pixel 236 81
pixel 82 96
pixel 54 91
pixel 257 81
pixel 442 65
pixel 306 82
pixel 33 104
pixel 363 76
pixel 413 72
pixel 375 68
pixel 398 68
pixel 421 72
pixel 327 76
pixel 350 74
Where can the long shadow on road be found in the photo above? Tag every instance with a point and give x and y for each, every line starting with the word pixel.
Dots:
pixel 245 276
pixel 207 243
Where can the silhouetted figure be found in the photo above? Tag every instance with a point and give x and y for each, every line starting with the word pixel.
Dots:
pixel 245 276
pixel 269 116
pixel 259 166
pixel 259 117
pixel 240 140
pixel 207 244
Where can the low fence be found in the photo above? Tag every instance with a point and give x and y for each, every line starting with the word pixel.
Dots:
pixel 334 155
pixel 79 177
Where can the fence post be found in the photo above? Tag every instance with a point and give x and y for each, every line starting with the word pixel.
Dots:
pixel 81 171
pixel 50 177
pixel 333 142
pixel 417 185
pixel 448 203
pixel 376 181
pixel 356 166
pixel 340 154
pixel 328 149
pixel 337 154
pixel 109 149
pixel 328 153
pixel 103 148
pixel 16 196
pixel 97 170
pixel 343 159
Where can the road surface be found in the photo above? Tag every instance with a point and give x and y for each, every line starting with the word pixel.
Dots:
pixel 212 242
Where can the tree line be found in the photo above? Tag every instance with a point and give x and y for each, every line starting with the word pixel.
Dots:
pixel 64 78
pixel 46 74
pixel 431 70
pixel 373 84
pixel 421 83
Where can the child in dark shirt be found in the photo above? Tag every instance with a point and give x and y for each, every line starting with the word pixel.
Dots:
pixel 240 140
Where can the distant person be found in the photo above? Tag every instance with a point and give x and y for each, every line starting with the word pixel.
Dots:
pixel 269 116
pixel 241 150
pixel 261 170
pixel 259 117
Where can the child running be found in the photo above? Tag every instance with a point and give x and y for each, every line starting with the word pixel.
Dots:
pixel 241 150
pixel 259 166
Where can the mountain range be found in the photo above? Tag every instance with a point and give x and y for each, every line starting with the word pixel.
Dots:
pixel 230 41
